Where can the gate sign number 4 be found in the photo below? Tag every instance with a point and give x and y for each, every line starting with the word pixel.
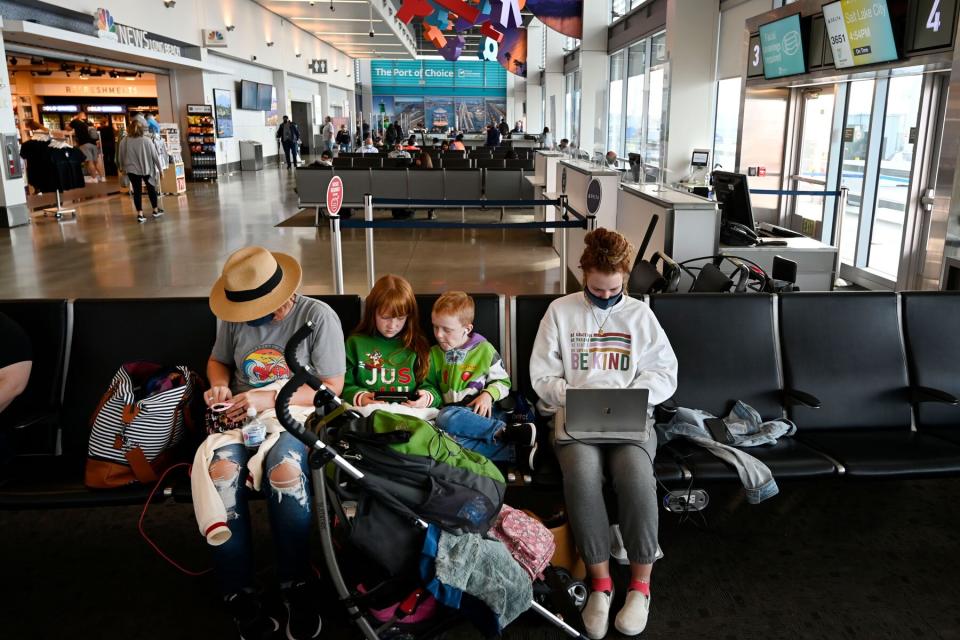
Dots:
pixel 334 195
pixel 933 24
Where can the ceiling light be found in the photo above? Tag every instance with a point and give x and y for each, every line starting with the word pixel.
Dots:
pixel 169 4
pixel 231 27
pixel 269 43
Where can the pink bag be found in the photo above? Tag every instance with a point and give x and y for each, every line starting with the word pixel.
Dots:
pixel 530 543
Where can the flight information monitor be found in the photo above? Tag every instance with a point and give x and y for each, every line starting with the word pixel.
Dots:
pixel 860 32
pixel 781 43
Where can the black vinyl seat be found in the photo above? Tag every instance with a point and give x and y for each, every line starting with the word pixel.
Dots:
pixel 726 350
pixel 843 353
pixel 930 323
pixel 488 317
pixel 526 313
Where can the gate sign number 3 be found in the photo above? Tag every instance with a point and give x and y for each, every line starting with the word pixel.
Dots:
pixel 334 195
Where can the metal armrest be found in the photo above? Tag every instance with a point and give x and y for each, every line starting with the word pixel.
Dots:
pixel 929 394
pixel 796 397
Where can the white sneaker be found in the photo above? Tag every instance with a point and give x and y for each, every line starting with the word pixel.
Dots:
pixel 632 619
pixel 101 179
pixel 596 615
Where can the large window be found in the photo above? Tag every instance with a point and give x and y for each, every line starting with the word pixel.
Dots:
pixel 572 107
pixel 728 121
pixel 615 123
pixel 638 112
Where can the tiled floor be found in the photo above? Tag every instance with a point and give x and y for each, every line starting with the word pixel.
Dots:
pixel 106 253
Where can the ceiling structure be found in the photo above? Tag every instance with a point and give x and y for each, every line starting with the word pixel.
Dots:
pixel 347 25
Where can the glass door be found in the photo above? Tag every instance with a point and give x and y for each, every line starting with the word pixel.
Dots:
pixel 880 136
pixel 813 157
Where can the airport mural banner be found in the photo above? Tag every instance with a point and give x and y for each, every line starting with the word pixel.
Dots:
pixel 499 21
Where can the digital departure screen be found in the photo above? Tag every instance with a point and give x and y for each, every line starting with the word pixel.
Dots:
pixel 930 24
pixel 782 45
pixel 860 32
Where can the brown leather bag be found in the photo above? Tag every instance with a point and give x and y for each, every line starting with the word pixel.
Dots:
pixel 134 440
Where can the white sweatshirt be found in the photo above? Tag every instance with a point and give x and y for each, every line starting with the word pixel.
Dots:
pixel 632 351
pixel 208 507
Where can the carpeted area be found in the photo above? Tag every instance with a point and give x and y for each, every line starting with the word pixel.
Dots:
pixel 838 559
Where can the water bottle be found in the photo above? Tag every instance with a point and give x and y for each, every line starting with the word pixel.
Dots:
pixel 254 431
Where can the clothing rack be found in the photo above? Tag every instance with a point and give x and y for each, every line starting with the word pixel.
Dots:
pixel 59 211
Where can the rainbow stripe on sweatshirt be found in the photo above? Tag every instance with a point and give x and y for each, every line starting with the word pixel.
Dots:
pixel 608 351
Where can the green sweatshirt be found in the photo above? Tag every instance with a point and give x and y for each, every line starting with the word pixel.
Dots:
pixel 466 371
pixel 375 363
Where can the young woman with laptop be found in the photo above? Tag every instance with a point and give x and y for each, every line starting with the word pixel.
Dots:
pixel 602 339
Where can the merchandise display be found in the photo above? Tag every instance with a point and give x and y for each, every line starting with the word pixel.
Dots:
pixel 201 138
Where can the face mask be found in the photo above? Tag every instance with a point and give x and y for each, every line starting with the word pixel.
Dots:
pixel 259 322
pixel 602 303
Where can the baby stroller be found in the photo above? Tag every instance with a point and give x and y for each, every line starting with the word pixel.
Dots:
pixel 394 500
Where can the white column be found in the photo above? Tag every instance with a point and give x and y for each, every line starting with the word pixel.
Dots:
pixel 594 87
pixel 535 110
pixel 692 52
pixel 13 199
pixel 553 85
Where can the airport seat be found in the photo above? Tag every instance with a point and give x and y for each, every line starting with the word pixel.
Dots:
pixel 930 323
pixel 312 184
pixel 489 317
pixel 347 308
pixel 502 184
pixel 525 164
pixel 31 419
pixel 843 353
pixel 489 163
pixel 342 162
pixel 526 312
pixel 369 161
pixel 356 183
pixel 456 163
pixel 426 184
pixel 389 183
pixel 466 184
pixel 713 373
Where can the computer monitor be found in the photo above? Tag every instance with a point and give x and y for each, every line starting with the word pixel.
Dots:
pixel 700 158
pixel 733 195
pixel 636 166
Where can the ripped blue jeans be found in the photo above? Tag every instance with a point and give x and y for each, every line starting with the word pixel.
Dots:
pixel 286 486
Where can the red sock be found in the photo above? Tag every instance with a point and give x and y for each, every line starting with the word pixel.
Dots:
pixel 640 585
pixel 602 584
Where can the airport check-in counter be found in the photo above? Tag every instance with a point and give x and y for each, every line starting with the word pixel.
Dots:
pixel 688 225
pixel 591 190
pixel 816 261
pixel 544 181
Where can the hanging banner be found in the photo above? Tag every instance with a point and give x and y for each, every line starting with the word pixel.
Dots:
pixel 564 16
pixel 512 52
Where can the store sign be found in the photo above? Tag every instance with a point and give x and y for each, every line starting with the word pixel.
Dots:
pixel 108 29
pixel 60 108
pixel 106 108
pixel 213 38
pixel 89 89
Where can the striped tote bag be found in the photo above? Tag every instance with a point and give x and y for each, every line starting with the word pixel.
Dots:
pixel 145 413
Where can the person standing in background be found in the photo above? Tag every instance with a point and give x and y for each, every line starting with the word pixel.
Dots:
pixel 328 134
pixel 288 135
pixel 138 159
pixel 343 139
pixel 503 128
pixel 88 145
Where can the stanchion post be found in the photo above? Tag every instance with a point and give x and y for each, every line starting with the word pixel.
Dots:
pixel 368 216
pixel 563 245
pixel 336 253
pixel 839 208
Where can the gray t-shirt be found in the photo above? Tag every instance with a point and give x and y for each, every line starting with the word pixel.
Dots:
pixel 256 353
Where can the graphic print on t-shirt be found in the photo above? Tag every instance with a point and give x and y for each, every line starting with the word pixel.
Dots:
pixel 601 351
pixel 264 365
pixel 375 372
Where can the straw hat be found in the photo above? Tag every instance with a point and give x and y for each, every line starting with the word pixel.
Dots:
pixel 255 282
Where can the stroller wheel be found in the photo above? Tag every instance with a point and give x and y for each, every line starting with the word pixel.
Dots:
pixel 578 594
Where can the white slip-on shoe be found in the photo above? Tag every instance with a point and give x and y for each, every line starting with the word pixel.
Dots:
pixel 632 619
pixel 596 615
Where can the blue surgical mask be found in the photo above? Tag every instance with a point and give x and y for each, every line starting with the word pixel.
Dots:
pixel 602 303
pixel 259 322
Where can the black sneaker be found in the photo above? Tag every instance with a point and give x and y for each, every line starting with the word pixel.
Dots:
pixel 141 218
pixel 157 212
pixel 303 611
pixel 248 614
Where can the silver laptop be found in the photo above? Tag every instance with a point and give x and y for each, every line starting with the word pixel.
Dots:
pixel 597 416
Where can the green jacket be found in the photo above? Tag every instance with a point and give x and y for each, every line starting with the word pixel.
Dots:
pixel 464 372
pixel 375 363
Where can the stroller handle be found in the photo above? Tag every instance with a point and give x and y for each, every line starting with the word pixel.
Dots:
pixel 303 374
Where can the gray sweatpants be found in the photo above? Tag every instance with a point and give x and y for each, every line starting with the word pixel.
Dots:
pixel 630 470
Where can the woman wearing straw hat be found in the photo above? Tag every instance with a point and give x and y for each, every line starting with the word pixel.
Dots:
pixel 257 302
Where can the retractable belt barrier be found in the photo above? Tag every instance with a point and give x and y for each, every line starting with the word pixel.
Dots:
pixel 794 192
pixel 580 221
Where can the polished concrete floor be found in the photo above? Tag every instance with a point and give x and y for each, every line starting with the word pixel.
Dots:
pixel 104 252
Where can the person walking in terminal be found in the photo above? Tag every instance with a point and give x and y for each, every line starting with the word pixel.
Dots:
pixel 601 338
pixel 388 351
pixel 138 159
pixel 503 128
pixel 259 309
pixel 288 134
pixel 493 136
pixel 469 373
pixel 343 139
